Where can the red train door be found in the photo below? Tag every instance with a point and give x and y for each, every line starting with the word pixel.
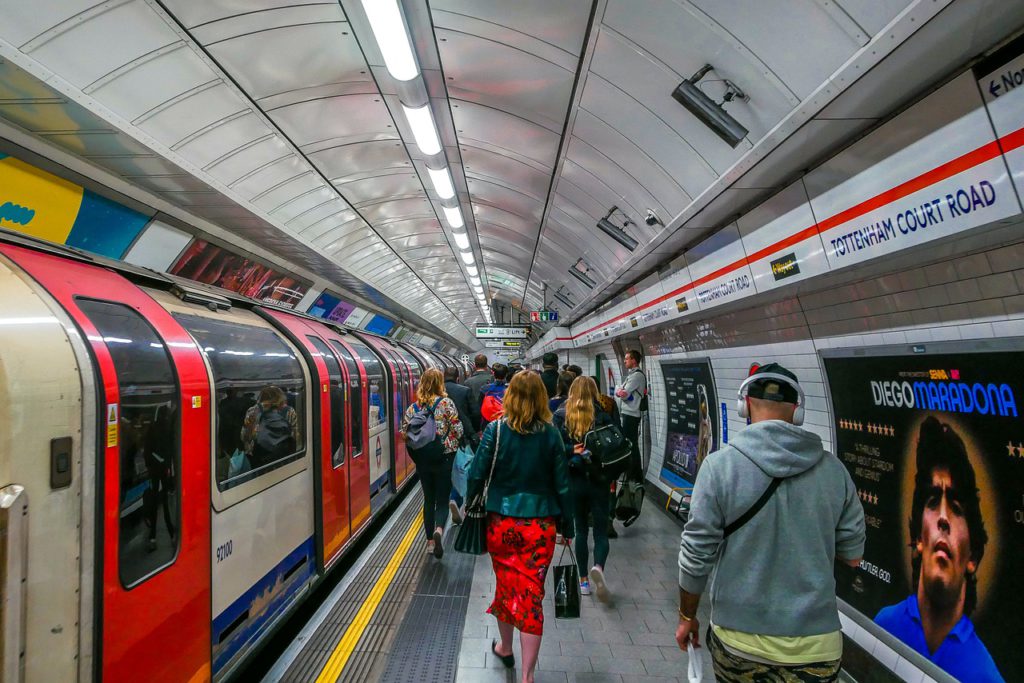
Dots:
pixel 358 460
pixel 152 478
pixel 332 477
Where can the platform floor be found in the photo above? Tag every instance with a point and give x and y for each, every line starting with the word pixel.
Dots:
pixel 401 615
pixel 630 639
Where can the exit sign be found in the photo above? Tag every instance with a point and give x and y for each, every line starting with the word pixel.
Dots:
pixel 543 316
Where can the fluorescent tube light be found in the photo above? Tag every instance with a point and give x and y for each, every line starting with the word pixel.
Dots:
pixel 422 123
pixel 582 277
pixel 475 280
pixel 392 38
pixel 442 182
pixel 467 257
pixel 461 240
pixel 454 217
pixel 472 271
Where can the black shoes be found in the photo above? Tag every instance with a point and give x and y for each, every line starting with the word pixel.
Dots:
pixel 438 545
pixel 508 660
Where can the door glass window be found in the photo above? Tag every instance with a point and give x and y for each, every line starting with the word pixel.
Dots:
pixel 355 404
pixel 148 420
pixel 337 390
pixel 261 398
pixel 377 408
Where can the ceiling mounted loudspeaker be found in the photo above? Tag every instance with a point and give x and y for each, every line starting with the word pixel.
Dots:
pixel 712 113
pixel 615 232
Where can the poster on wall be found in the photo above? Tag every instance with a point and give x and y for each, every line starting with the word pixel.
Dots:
pixel 692 420
pixel 935 447
pixel 207 263
pixel 43 205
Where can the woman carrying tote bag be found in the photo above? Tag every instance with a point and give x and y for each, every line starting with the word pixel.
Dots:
pixel 528 502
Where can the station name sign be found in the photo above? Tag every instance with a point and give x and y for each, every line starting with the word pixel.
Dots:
pixel 502 332
pixel 503 344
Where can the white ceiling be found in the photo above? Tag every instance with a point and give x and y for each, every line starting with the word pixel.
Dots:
pixel 279 119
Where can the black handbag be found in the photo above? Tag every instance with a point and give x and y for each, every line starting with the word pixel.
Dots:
pixel 567 587
pixel 472 536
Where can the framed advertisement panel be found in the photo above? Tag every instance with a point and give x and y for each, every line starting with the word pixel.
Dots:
pixel 208 263
pixel 692 419
pixel 932 438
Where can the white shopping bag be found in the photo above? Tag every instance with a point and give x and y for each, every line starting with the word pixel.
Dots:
pixel 695 669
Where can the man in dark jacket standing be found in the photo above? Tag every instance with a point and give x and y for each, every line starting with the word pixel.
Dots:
pixel 791 509
pixel 550 374
pixel 476 382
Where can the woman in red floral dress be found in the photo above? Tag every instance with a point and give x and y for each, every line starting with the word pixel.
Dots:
pixel 527 500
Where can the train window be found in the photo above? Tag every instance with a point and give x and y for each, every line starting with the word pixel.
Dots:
pixel 355 404
pixel 261 398
pixel 149 424
pixel 337 390
pixel 378 405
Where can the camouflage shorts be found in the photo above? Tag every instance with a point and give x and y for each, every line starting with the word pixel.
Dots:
pixel 730 668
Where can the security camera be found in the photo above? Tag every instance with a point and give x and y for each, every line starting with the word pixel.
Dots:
pixel 652 218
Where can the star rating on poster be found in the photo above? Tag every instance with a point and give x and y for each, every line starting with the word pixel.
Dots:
pixel 868 497
pixel 1014 450
pixel 870 428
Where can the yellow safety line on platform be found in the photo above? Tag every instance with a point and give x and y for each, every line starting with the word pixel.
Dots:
pixel 339 658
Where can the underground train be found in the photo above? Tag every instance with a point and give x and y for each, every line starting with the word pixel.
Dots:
pixel 179 465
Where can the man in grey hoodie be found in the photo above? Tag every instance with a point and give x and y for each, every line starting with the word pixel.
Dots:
pixel 773 601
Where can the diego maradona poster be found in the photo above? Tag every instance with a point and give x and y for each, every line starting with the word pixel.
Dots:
pixel 934 443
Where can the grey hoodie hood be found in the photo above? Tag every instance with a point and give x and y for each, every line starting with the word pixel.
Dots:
pixel 779 448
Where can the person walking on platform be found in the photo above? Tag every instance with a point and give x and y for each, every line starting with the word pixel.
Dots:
pixel 770 513
pixel 528 503
pixel 434 416
pixel 493 395
pixel 580 414
pixel 562 392
pixel 476 382
pixel 460 397
pixel 630 394
pixel 550 373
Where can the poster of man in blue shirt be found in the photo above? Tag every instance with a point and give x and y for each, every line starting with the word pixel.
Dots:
pixel 948 544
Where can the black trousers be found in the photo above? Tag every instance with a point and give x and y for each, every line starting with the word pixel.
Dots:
pixel 631 430
pixel 436 480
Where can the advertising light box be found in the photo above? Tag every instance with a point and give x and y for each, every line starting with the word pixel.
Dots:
pixel 934 444
pixel 692 420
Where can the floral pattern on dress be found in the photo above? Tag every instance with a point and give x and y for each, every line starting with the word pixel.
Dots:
pixel 521 550
pixel 446 416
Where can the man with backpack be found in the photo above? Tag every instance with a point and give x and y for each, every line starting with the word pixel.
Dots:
pixel 791 509
pixel 632 397
pixel 493 396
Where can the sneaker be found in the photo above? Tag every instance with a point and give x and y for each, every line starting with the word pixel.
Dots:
pixel 430 547
pixel 456 513
pixel 438 545
pixel 597 577
pixel 584 587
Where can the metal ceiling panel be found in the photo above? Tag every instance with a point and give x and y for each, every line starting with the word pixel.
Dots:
pixel 561 24
pixel 70 47
pixel 503 170
pixel 220 140
pixel 395 185
pixel 486 192
pixel 288 190
pixel 97 143
pixel 338 120
pixel 344 163
pixel 505 131
pixel 491 73
pixel 260 182
pixel 334 207
pixel 249 159
pixel 402 209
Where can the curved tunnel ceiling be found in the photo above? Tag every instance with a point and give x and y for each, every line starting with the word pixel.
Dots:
pixel 548 113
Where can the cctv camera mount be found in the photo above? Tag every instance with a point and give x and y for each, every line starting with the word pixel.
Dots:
pixel 625 219
pixel 732 91
pixel 652 218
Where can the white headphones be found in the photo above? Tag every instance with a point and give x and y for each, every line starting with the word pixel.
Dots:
pixel 741 397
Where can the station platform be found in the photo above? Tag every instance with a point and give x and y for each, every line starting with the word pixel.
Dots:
pixel 401 615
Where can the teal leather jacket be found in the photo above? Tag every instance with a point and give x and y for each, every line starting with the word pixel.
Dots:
pixel 531 477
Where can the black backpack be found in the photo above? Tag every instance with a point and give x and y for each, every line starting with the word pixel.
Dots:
pixel 643 397
pixel 610 451
pixel 274 436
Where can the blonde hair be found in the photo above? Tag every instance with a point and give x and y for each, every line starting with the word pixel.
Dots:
pixel 430 388
pixel 526 402
pixel 579 407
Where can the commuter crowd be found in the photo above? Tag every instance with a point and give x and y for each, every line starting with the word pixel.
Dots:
pixel 537 460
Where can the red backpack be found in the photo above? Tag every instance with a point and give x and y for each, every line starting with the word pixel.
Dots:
pixel 492 407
